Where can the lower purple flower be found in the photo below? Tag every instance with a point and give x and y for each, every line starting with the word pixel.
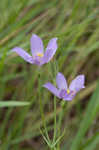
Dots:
pixel 39 57
pixel 63 91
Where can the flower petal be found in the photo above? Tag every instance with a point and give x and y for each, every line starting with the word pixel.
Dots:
pixel 36 45
pixel 61 81
pixel 69 97
pixel 65 96
pixel 78 83
pixel 50 50
pixel 62 93
pixel 42 61
pixel 23 54
pixel 52 89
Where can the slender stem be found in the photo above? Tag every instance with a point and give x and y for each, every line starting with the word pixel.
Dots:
pixel 63 104
pixel 60 119
pixel 55 128
pixel 41 105
pixel 53 148
pixel 39 92
pixel 53 69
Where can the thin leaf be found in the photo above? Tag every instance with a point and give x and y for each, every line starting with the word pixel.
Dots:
pixel 90 115
pixel 12 104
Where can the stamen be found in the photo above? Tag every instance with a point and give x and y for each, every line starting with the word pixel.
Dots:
pixel 40 54
pixel 68 91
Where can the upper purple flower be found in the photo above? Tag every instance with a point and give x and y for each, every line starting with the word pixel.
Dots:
pixel 38 56
pixel 63 91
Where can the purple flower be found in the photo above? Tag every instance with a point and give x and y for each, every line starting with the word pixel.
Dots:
pixel 38 56
pixel 63 91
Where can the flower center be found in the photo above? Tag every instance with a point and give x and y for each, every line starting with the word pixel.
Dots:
pixel 68 91
pixel 40 54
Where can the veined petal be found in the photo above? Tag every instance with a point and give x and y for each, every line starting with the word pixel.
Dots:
pixel 52 89
pixel 42 61
pixel 65 96
pixel 61 81
pixel 36 45
pixel 23 54
pixel 69 97
pixel 77 84
pixel 50 50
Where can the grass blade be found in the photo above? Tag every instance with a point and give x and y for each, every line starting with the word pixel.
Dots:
pixel 90 115
pixel 12 104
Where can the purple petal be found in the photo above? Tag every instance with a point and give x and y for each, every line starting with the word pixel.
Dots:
pixel 42 61
pixel 69 97
pixel 62 93
pixel 50 50
pixel 77 84
pixel 61 81
pixel 36 45
pixel 23 54
pixel 39 60
pixel 52 89
pixel 65 96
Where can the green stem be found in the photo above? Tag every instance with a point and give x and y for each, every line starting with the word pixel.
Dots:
pixel 41 105
pixel 55 128
pixel 54 71
pixel 63 105
pixel 53 148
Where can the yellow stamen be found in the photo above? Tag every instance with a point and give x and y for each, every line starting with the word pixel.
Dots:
pixel 40 54
pixel 68 91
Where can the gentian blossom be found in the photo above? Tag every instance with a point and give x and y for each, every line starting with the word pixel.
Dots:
pixel 39 57
pixel 63 91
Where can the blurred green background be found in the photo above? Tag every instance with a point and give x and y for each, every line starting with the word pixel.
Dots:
pixel 76 24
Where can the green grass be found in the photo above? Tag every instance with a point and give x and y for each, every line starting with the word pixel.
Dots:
pixel 76 25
